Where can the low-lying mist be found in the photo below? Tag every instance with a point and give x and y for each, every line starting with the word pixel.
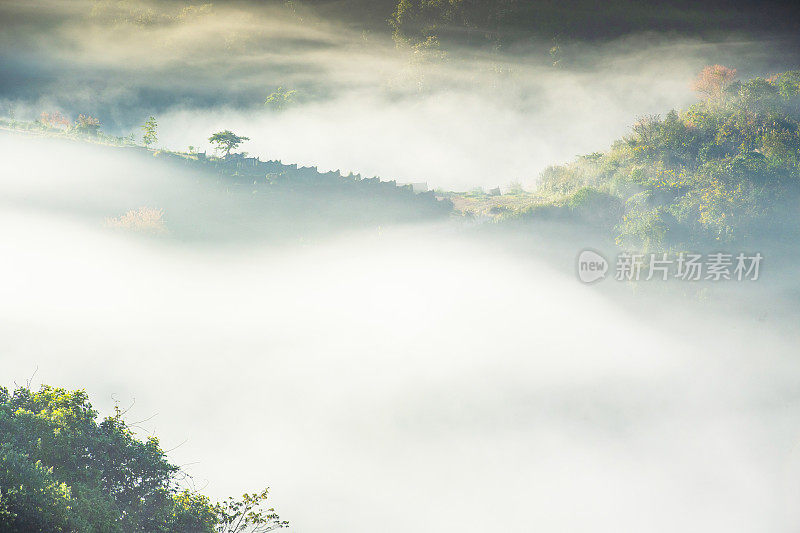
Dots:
pixel 397 379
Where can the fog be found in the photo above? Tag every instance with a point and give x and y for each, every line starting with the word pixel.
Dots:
pixel 402 379
pixel 457 119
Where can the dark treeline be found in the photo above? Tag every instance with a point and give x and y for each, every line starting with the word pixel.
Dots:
pixel 512 21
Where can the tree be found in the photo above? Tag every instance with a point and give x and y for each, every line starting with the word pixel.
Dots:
pixel 646 129
pixel 150 134
pixel 30 499
pixel 53 120
pixel 247 515
pixel 713 80
pixel 87 124
pixel 414 21
pixel 227 140
pixel 62 471
pixel 281 99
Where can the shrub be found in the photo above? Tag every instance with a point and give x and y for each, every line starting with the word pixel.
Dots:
pixel 142 220
pixel 87 124
pixel 63 472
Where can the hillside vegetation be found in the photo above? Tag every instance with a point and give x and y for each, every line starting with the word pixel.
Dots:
pixel 725 170
pixel 508 22
pixel 244 197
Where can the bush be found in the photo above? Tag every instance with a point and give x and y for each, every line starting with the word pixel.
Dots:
pixel 61 471
pixel 30 499
pixel 595 206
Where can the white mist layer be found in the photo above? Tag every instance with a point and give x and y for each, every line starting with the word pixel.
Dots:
pixel 470 121
pixel 394 381
pixel 452 140
pixel 476 124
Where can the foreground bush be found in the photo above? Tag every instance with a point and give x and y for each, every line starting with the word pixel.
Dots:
pixel 62 471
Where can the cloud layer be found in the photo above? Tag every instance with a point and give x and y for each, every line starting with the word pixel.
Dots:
pixel 397 380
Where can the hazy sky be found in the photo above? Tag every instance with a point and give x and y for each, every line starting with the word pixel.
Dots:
pixel 474 117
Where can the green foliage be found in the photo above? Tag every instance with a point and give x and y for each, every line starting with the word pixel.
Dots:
pixel 150 131
pixel 500 22
pixel 87 124
pixel 726 169
pixel 281 99
pixel 594 206
pixel 647 228
pixel 30 498
pixel 62 471
pixel 227 140
pixel 419 21
pixel 248 515
pixel 586 205
pixel 192 512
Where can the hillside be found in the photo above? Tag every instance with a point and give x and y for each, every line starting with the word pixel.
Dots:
pixel 228 197
pixel 725 170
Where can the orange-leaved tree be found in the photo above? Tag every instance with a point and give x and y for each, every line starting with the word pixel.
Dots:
pixel 713 80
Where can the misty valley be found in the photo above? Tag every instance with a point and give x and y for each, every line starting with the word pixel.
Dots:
pixel 356 266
